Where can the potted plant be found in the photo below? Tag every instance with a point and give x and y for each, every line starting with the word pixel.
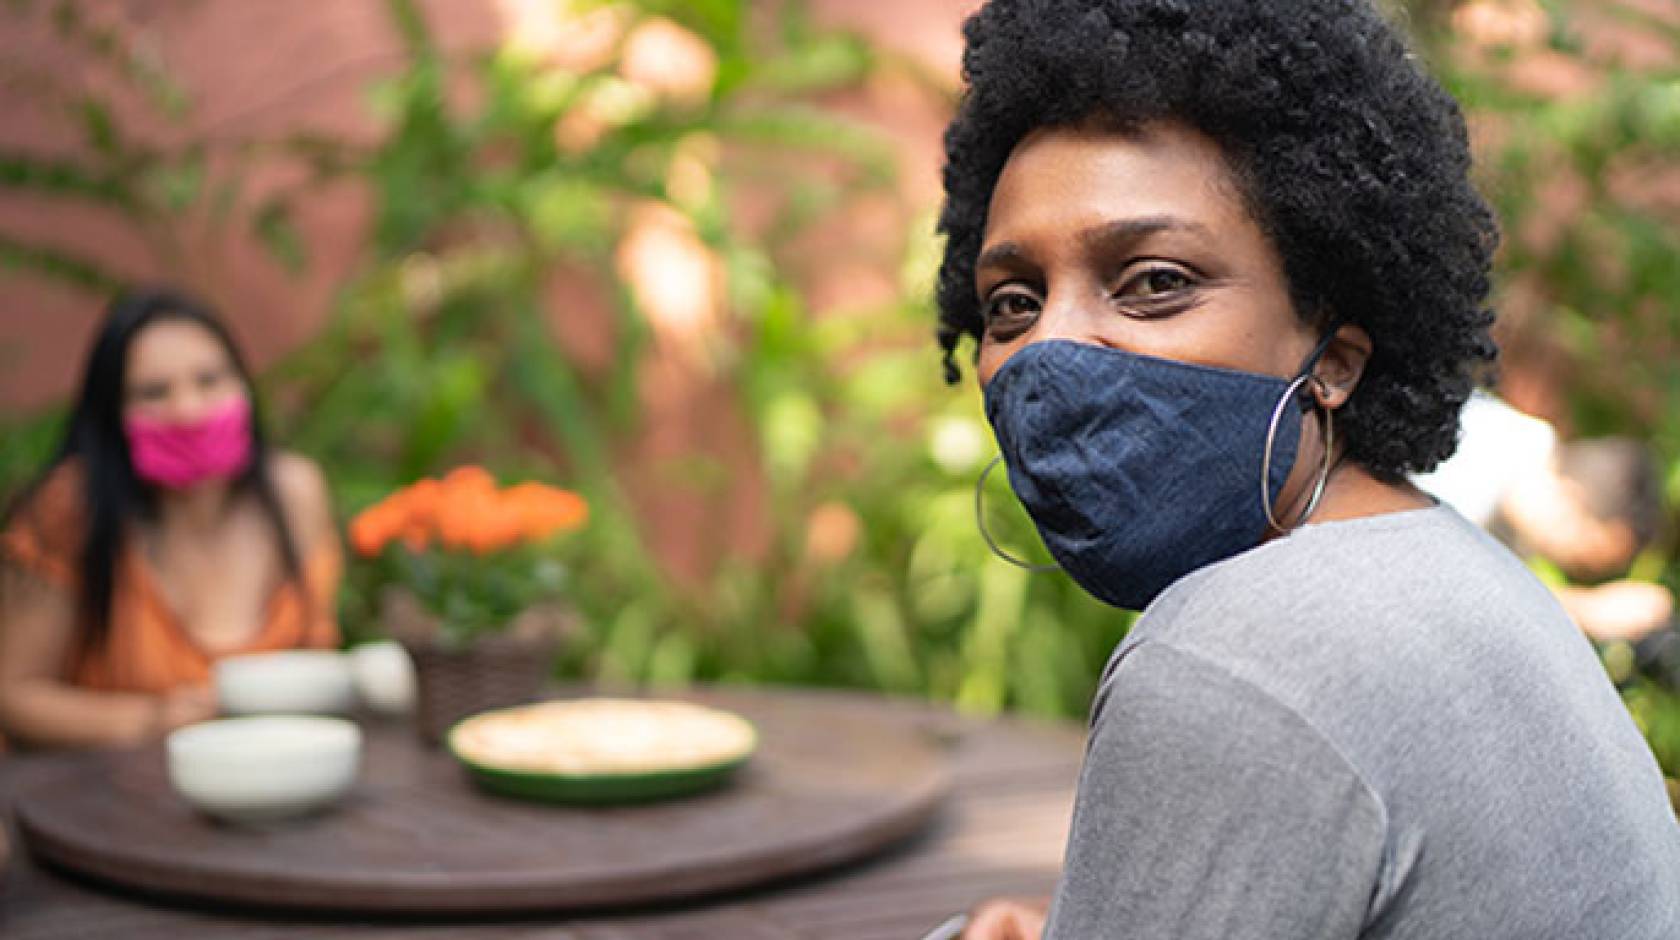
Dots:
pixel 472 587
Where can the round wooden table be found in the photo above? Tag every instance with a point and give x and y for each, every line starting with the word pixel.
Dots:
pixel 415 836
pixel 1000 833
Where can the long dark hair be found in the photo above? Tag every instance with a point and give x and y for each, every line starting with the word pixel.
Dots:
pixel 113 495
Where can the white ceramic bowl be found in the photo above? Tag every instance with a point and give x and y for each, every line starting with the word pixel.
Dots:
pixel 291 681
pixel 264 768
pixel 384 676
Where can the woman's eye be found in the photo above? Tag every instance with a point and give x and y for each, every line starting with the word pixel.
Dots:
pixel 148 393
pixel 1156 282
pixel 1010 308
pixel 210 379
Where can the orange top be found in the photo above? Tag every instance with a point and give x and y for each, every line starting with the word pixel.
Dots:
pixel 147 647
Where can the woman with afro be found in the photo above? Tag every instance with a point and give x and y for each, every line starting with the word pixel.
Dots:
pixel 1226 277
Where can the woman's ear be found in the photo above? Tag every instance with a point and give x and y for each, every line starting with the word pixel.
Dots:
pixel 1339 369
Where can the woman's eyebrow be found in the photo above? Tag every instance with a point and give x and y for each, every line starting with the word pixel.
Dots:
pixel 1125 231
pixel 1002 255
pixel 1101 238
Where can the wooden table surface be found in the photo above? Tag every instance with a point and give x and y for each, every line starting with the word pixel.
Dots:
pixel 1001 832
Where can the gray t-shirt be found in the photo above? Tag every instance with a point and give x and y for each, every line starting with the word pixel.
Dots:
pixel 1377 728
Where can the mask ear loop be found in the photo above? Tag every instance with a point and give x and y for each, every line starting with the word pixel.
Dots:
pixel 1328 420
pixel 985 533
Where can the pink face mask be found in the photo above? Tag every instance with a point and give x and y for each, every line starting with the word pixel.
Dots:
pixel 176 456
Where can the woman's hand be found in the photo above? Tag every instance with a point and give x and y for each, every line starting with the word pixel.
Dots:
pixel 1007 919
pixel 185 706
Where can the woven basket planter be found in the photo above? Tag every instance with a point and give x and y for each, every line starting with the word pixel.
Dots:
pixel 493 670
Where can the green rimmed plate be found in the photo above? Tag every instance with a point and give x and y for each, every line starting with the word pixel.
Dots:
pixel 603 750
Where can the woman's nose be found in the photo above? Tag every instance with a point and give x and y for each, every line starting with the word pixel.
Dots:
pixel 1074 316
pixel 1081 316
pixel 186 406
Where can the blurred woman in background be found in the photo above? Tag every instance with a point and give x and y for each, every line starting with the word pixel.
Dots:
pixel 1581 512
pixel 165 534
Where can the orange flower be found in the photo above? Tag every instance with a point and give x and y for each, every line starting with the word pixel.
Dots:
pixel 468 479
pixel 376 526
pixel 496 529
pixel 422 499
pixel 466 511
pixel 543 511
pixel 461 514
pixel 419 502
pixel 366 537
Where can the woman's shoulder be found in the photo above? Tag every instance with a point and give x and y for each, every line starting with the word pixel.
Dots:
pixel 45 529
pixel 1323 575
pixel 304 498
pixel 297 477
pixel 57 501
pixel 1368 593
pixel 1383 548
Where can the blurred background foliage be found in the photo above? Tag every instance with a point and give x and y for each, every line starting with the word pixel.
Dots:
pixel 1574 109
pixel 556 244
pixel 609 189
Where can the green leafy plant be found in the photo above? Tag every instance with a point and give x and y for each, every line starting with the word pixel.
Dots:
pixel 1576 147
pixel 474 556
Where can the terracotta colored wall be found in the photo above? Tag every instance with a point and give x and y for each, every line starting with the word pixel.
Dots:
pixel 260 70
pixel 253 69
pixel 257 69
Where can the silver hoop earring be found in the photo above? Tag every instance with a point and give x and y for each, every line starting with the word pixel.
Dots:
pixel 1329 423
pixel 985 533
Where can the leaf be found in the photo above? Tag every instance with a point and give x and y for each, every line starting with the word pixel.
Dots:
pixel 672 663
pixel 830 63
pixel 566 212
pixel 411 26
pixel 62 177
pixel 224 198
pixel 327 156
pixel 274 226
pixel 547 381
pixel 115 50
pixel 26 444
pixel 66 19
pixel 806 128
pixel 719 22
pixel 175 186
pixel 98 128
pixel 1003 597
pixel 457 387
pixel 881 630
pixel 60 266
pixel 791 430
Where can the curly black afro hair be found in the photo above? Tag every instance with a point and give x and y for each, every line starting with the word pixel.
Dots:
pixel 1354 162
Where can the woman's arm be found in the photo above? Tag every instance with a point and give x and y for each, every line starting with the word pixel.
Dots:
pixel 307 503
pixel 1209 811
pixel 38 707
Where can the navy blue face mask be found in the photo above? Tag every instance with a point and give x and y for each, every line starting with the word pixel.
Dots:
pixel 1138 470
